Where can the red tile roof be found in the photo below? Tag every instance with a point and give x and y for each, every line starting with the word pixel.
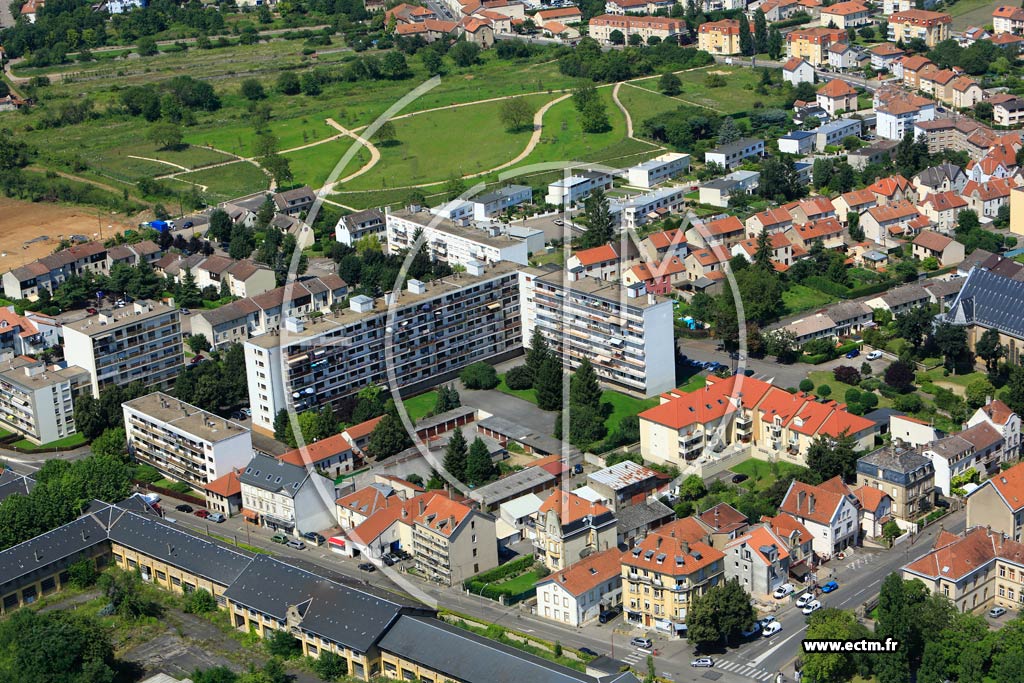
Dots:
pixel 887 187
pixel 707 404
pixel 226 486
pixel 588 573
pixel 590 257
pixel 870 497
pixel 787 525
pixel 723 518
pixel 1010 485
pixel 837 88
pixel 933 241
pixel 965 555
pixel 945 201
pixel 678 549
pixel 383 518
pixel 356 432
pixel 761 537
pixel 443 515
pixel 318 451
pixel 793 63
pixel 825 503
pixel 723 226
pixel 998 411
pixel 569 507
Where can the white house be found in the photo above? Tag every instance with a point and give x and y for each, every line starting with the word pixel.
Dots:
pixel 580 593
pixel 657 170
pixel 797 142
pixel 797 70
pixel 733 154
pixel 502 199
pixel 285 497
pixel 1005 421
pixel 829 512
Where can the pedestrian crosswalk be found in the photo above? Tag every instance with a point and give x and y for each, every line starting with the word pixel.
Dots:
pixel 634 657
pixel 743 670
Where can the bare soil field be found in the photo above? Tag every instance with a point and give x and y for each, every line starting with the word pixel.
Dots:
pixel 23 222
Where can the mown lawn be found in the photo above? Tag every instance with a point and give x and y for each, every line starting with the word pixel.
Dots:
pixel 696 382
pixel 71 441
pixel 427 144
pixel 735 96
pixel 419 406
pixel 521 583
pixel 624 405
pixel 826 378
pixel 798 298
pixel 314 165
pixel 525 394
pixel 967 13
pixel 229 181
pixel 763 474
pixel 643 103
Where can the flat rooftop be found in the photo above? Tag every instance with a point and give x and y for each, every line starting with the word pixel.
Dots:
pixel 435 222
pixel 109 319
pixel 659 161
pixel 186 417
pixel 613 292
pixel 14 372
pixel 347 316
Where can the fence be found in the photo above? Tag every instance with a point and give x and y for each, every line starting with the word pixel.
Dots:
pixel 170 493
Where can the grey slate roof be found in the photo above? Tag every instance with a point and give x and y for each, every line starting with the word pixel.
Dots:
pixel 934 176
pixel 991 301
pixel 633 517
pixel 897 459
pixel 11 482
pixel 332 610
pixel 465 656
pixel 41 552
pixel 271 474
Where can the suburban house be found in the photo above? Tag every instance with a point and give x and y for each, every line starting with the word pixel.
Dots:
pixel 224 494
pixel 979 448
pixel 731 155
pixel 799 542
pixel 904 474
pixel 725 522
pixel 570 528
pixel 883 223
pixel 943 208
pixel 1008 19
pixel 1004 421
pixel 812 43
pixel 601 262
pixel 797 70
pixel 945 249
pixel 986 198
pixel 998 504
pixel 758 560
pixel 579 594
pixel 718 191
pixel 875 507
pixel 355 226
pixel 945 177
pixel 830 515
pixel 846 15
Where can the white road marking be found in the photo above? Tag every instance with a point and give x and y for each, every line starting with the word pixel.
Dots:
pixel 767 654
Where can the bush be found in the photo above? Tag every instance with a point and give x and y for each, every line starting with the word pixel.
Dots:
pixel 147 474
pixel 806 385
pixel 283 644
pixel 83 573
pixel 329 666
pixel 852 395
pixel 908 403
pixel 847 375
pixel 870 384
pixel 824 391
pixel 200 602
pixel 869 401
pixel 519 377
pixel 479 376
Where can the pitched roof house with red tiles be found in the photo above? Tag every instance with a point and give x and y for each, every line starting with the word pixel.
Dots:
pixel 569 528
pixel 579 594
pixel 830 516
pixel 759 560
pixel 452 541
pixel 975 570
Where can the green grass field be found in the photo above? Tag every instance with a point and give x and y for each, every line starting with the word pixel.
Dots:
pixel 226 182
pixel 644 104
pixel 419 406
pixel 525 394
pixel 799 298
pixel 521 583
pixel 967 13
pixel 72 441
pixel 314 165
pixel 437 145
pixel 696 382
pixel 736 96
pixel 826 378
pixel 623 406
pixel 763 474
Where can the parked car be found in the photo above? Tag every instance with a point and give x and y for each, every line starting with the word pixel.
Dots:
pixel 183 508
pixel 279 538
pixel 314 538
pixel 216 517
pixel 853 354
pixel 577 468
pixel 703 662
pixel 367 567
pixel 766 620
pixel 202 514
pixel 642 643
pixel 754 629
pixel 388 560
pixel 804 599
pixel 186 225
pixel 829 587
pixel 738 478
pixel 587 651
pixel 558 221
pixel 812 607
pixel 607 615
pixel 185 311
pixel 874 355
pixel 247 412
pixel 91 311
pixel 997 612
pixel 783 591
pixel 296 543
pixel 771 629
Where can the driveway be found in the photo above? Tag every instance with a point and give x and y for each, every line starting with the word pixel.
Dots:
pixel 511 408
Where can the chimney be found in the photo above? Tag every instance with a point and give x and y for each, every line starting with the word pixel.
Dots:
pixel 35 553
pixel 451 522
pixel 170 549
pixel 810 507
pixel 659 542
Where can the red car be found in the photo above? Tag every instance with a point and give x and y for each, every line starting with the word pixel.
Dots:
pixel 202 513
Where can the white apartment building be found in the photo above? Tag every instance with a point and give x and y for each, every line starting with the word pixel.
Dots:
pixel 733 154
pixel 626 333
pixel 577 187
pixel 37 401
pixel 355 226
pixel 286 497
pixel 493 203
pixel 637 211
pixel 657 170
pixel 438 328
pixel 138 343
pixel 184 442
pixel 834 132
pixel 452 243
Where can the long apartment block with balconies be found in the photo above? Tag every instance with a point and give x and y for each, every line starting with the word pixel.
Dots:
pixel 138 343
pixel 184 442
pixel 624 331
pixel 37 401
pixel 437 329
pixel 451 242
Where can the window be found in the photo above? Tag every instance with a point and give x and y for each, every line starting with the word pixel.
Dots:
pixel 161 575
pixel 474 552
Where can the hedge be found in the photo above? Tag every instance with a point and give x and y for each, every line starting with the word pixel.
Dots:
pixel 823 284
pixel 504 571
